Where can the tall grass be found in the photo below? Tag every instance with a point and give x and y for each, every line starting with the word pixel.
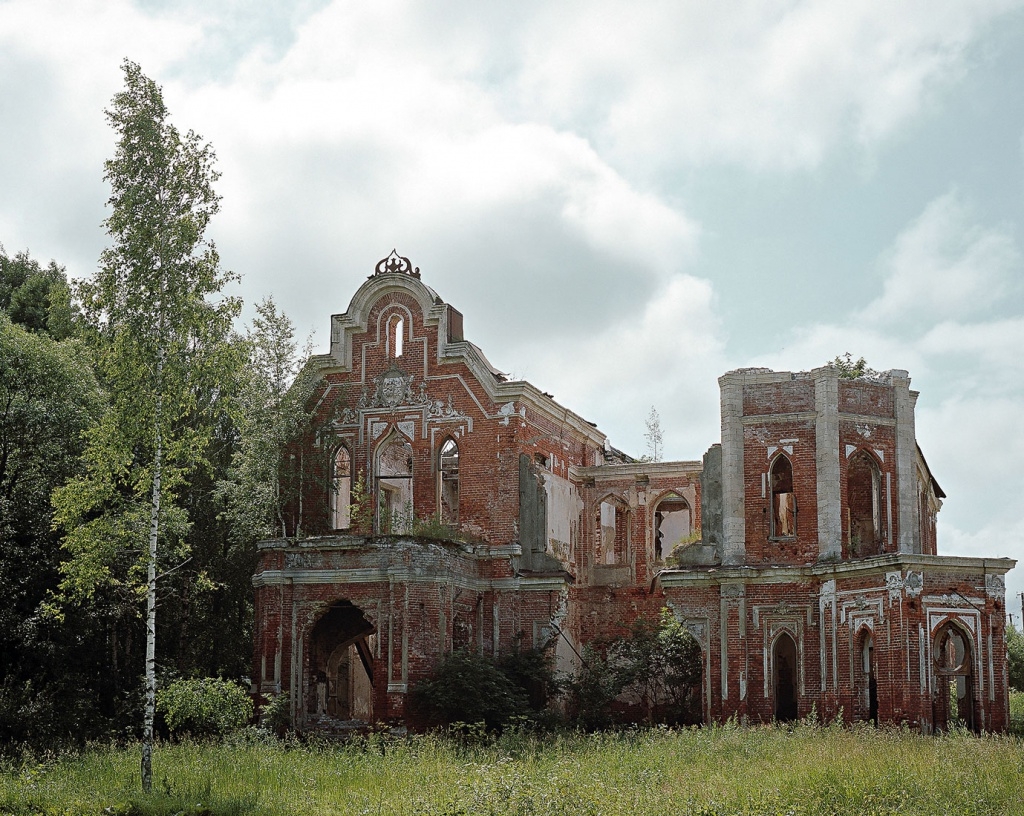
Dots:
pixel 711 772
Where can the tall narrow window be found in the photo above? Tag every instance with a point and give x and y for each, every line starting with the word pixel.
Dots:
pixel 396 335
pixel 783 498
pixel 784 657
pixel 863 506
pixel 394 486
pixel 448 482
pixel 612 528
pixel 673 525
pixel 341 489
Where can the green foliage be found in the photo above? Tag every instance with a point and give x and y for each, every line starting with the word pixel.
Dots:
pixel 654 671
pixel 361 511
pixel 850 369
pixel 276 714
pixel 36 298
pixel 1015 654
pixel 159 329
pixel 467 688
pixel 207 707
pixel 271 412
pixel 715 771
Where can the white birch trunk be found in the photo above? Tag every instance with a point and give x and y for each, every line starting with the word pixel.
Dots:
pixel 154 527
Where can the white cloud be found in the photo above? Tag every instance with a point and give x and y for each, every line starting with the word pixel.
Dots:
pixel 936 316
pixel 945 266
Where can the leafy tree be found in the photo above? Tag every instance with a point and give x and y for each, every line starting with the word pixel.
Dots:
pixel 653 435
pixel 655 669
pixel 38 299
pixel 850 369
pixel 1015 653
pixel 271 411
pixel 159 335
pixel 51 676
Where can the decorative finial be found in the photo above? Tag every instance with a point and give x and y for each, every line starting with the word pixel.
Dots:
pixel 396 264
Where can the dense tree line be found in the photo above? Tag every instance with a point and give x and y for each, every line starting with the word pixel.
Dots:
pixel 140 441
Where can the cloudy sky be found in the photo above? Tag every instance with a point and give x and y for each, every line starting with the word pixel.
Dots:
pixel 625 199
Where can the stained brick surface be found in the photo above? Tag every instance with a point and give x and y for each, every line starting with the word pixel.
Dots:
pixel 864 619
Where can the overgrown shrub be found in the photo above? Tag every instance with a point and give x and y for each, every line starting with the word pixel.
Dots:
pixel 651 674
pixel 469 688
pixel 207 707
pixel 1015 653
pixel 276 714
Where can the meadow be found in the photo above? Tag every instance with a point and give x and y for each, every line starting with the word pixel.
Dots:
pixel 807 769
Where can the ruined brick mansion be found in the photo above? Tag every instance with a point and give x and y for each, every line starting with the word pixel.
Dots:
pixel 800 551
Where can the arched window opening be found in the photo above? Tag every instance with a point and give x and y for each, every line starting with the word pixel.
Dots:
pixel 341 489
pixel 612 527
pixel 673 525
pixel 784 662
pixel 865 686
pixel 863 506
pixel 954 696
pixel 394 486
pixel 783 522
pixel 396 335
pixel 448 482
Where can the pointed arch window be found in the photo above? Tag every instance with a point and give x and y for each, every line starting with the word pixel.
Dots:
pixel 673 525
pixel 785 671
pixel 341 488
pixel 783 522
pixel 448 482
pixel 863 506
pixel 394 486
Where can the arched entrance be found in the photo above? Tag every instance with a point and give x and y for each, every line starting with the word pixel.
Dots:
pixel 341 665
pixel 954 681
pixel 784 669
pixel 865 705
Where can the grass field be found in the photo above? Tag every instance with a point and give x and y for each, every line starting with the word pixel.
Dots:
pixel 719 770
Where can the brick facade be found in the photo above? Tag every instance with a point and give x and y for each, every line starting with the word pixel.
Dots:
pixel 800 551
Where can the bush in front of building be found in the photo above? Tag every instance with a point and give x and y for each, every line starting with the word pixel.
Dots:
pixel 652 675
pixel 204 707
pixel 467 688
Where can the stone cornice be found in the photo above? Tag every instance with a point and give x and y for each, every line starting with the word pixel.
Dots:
pixel 823 571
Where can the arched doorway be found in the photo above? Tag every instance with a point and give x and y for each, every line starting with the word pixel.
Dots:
pixel 954 680
pixel 341 665
pixel 784 670
pixel 865 705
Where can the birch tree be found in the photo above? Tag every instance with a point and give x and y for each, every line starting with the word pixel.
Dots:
pixel 159 325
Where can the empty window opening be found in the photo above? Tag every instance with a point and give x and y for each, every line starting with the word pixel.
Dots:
pixel 341 489
pixel 863 506
pixel 448 482
pixel 396 334
pixel 394 487
pixel 673 525
pixel 865 686
pixel 783 522
pixel 612 533
pixel 954 698
pixel 785 676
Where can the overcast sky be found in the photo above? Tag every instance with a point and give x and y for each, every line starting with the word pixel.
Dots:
pixel 625 199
